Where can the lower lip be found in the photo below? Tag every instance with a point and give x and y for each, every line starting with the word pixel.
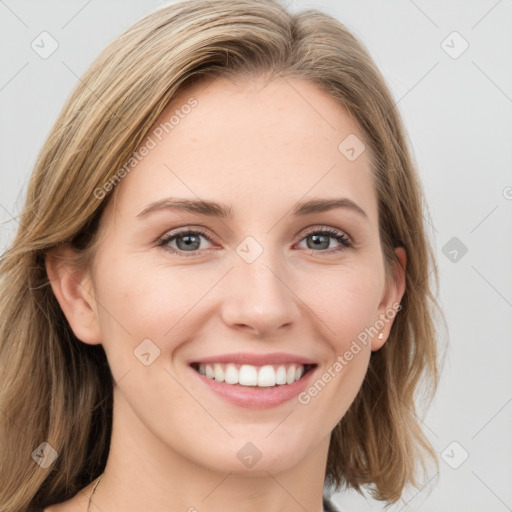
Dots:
pixel 256 397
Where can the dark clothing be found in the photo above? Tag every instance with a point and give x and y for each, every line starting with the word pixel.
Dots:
pixel 328 506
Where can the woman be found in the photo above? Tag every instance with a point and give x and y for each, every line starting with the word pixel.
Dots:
pixel 219 289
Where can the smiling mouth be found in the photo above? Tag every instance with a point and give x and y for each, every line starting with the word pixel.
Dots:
pixel 266 376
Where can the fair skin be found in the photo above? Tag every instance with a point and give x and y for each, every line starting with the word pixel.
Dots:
pixel 259 149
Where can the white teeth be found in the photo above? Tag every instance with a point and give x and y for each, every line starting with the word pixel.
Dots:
pixel 290 374
pixel 218 372
pixel 266 377
pixel 208 371
pixel 281 375
pixel 249 375
pixel 231 376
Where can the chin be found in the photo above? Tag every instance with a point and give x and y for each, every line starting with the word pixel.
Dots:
pixel 255 457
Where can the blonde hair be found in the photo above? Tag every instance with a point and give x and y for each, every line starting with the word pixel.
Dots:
pixel 57 389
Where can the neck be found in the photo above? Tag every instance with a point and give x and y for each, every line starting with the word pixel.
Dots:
pixel 143 473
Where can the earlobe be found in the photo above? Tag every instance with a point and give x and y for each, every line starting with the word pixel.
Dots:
pixel 388 308
pixel 73 289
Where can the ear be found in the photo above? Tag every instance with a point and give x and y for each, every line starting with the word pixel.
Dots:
pixel 73 289
pixel 392 297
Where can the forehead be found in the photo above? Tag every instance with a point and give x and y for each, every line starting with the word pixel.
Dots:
pixel 252 145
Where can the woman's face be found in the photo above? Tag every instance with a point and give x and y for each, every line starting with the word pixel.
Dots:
pixel 222 247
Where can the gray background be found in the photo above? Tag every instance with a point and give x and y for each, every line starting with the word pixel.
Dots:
pixel 458 115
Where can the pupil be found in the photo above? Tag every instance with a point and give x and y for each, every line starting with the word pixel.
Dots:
pixel 188 241
pixel 320 239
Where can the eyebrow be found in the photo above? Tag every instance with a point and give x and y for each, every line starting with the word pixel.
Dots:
pixel 214 209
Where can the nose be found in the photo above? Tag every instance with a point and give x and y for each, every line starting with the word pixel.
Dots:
pixel 259 297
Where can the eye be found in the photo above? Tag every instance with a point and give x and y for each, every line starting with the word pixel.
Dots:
pixel 319 240
pixel 186 242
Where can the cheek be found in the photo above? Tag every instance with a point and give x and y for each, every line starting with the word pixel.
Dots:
pixel 346 301
pixel 138 301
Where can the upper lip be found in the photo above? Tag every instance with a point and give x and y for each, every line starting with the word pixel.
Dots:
pixel 255 359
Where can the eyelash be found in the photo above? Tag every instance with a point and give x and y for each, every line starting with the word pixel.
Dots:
pixel 344 241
